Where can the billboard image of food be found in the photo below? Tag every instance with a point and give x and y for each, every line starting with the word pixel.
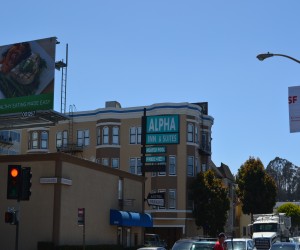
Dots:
pixel 27 76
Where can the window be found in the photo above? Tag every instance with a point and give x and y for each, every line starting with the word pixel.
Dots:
pixel 197 165
pixel 162 191
pixel 132 135
pixel 115 139
pixel 190 133
pixel 105 161
pixel 172 199
pixel 196 135
pixel 115 162
pixel 203 141
pixel 98 136
pixel 139 135
pixel 61 139
pixel 105 134
pixel 203 167
pixel 190 170
pixel 135 166
pixel 65 138
pixel 172 165
pixel 34 140
pixel 44 140
pixel 135 135
pixel 83 138
pixel 38 140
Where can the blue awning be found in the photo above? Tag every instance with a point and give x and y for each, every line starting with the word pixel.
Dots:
pixel 130 219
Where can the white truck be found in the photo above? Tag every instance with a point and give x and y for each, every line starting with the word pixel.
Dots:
pixel 269 228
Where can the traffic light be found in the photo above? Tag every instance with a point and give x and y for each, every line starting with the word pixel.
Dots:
pixel 26 183
pixel 11 217
pixel 14 182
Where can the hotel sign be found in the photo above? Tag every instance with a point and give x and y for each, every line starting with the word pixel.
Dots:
pixel 163 129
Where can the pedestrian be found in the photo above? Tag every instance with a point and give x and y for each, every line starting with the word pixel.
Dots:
pixel 220 242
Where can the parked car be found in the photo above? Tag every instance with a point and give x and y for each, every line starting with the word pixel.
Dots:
pixel 153 240
pixel 239 244
pixel 194 244
pixel 285 246
pixel 297 239
pixel 151 248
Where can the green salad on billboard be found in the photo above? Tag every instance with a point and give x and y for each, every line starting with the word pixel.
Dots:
pixel 27 75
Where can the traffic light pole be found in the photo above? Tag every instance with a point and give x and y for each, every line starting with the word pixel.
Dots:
pixel 17 225
pixel 143 141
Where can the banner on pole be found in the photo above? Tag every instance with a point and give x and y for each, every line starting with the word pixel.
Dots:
pixel 294 108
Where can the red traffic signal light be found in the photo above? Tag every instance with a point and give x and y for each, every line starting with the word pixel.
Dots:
pixel 13 182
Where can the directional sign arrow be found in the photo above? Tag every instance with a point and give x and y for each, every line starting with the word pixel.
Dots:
pixel 156 199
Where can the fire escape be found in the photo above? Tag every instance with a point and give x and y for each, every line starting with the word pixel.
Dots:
pixel 71 147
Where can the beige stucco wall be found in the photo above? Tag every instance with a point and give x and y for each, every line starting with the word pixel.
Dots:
pixel 51 213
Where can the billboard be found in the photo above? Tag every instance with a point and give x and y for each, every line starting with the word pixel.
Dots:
pixel 27 76
pixel 294 109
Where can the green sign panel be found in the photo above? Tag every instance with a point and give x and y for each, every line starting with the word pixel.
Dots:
pixel 162 124
pixel 154 159
pixel 170 138
pixel 156 150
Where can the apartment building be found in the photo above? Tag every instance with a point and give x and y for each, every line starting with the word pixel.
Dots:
pixel 112 137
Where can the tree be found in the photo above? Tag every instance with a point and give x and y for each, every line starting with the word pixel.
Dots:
pixel 291 210
pixel 256 189
pixel 211 203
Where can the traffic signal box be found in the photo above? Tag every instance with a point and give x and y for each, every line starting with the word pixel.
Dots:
pixel 13 182
pixel 18 182
pixel 26 183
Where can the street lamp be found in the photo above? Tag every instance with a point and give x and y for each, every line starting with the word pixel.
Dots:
pixel 262 57
pixel 294 94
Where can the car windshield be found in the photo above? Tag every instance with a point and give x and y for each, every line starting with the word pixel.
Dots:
pixel 236 245
pixel 265 227
pixel 202 246
pixel 182 246
pixel 283 247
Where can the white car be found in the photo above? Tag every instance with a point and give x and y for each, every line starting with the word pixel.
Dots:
pixel 239 244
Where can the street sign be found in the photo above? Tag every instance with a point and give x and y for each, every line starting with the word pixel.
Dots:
pixel 155 150
pixel 154 168
pixel 155 159
pixel 156 199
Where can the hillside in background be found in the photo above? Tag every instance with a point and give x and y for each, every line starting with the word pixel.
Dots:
pixel 287 178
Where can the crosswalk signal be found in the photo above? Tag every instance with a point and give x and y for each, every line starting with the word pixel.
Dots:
pixel 26 183
pixel 11 217
pixel 13 182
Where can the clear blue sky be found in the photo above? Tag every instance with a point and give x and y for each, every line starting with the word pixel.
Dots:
pixel 143 52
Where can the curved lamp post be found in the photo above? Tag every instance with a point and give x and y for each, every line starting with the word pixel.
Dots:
pixel 262 57
pixel 293 116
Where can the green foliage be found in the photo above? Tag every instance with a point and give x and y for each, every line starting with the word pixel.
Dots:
pixel 211 203
pixel 291 210
pixel 256 189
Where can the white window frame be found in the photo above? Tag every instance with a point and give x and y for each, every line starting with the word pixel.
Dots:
pixel 105 135
pixel 135 166
pixel 115 163
pixel 115 135
pixel 190 166
pixel 190 132
pixel 83 137
pixel 44 139
pixel 172 199
pixel 105 161
pixel 172 165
